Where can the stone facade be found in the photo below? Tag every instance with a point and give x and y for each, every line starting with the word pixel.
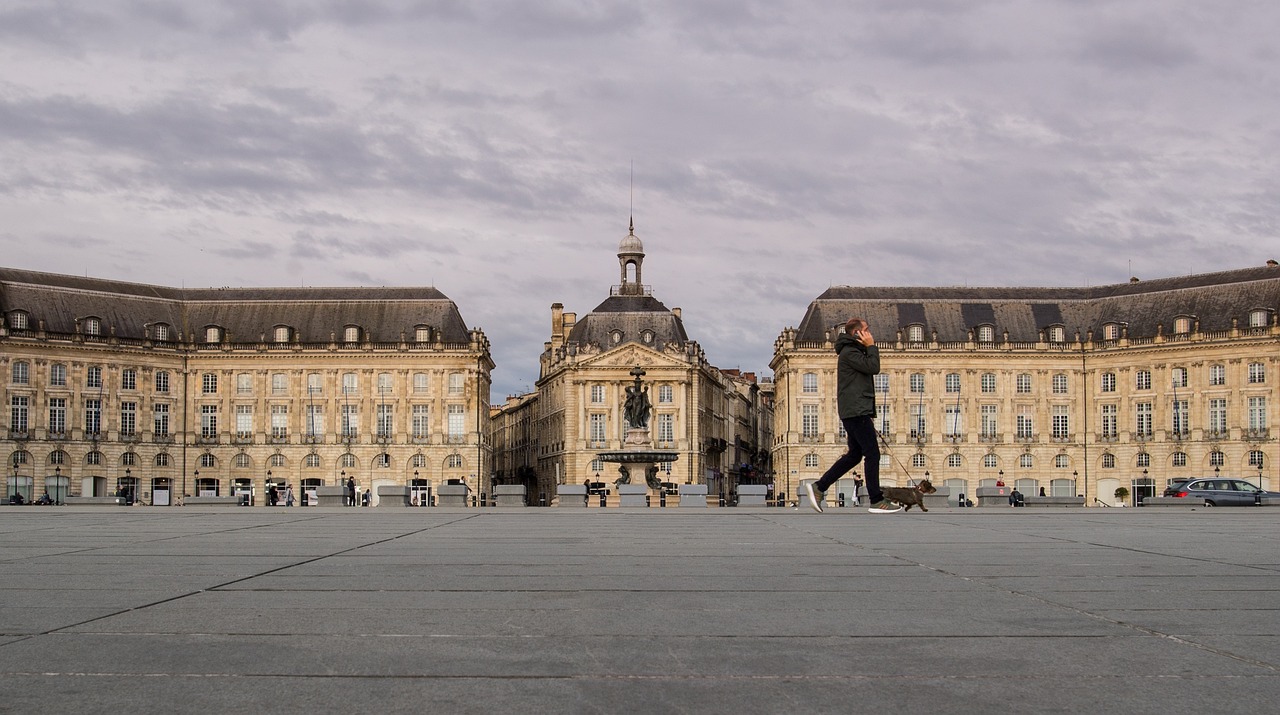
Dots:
pixel 1078 391
pixel 163 392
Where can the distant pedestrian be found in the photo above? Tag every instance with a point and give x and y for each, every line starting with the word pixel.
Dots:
pixel 351 491
pixel 288 495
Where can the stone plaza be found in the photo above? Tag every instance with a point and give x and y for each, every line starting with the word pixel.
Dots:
pixel 746 610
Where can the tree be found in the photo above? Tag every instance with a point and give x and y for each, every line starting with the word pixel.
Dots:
pixel 1122 493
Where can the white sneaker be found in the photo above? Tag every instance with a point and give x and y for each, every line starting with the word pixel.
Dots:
pixel 815 496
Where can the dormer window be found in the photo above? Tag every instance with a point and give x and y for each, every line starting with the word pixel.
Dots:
pixel 1111 331
pixel 281 334
pixel 616 336
pixel 19 320
pixel 92 326
pixel 1182 325
pixel 422 334
pixel 351 334
pixel 160 332
pixel 1057 334
pixel 915 333
pixel 1257 318
pixel 646 337
pixel 213 334
pixel 986 333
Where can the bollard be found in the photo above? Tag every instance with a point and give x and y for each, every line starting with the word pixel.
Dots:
pixel 662 498
pixel 840 499
pixel 602 502
pixel 542 498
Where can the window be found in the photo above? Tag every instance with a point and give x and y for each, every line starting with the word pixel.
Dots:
pixel 385 383
pixel 58 415
pixel 1218 415
pixel 209 383
pixel 128 418
pixel 18 415
pixel 241 461
pixel 350 383
pixel 1061 426
pixel 21 374
pixel 1111 331
pixel 1179 377
pixel 244 421
pixel 882 421
pixel 917 461
pixel 281 334
pixel 386 417
pixel 19 320
pixel 421 381
pixel 1061 461
pixel 208 461
pixel 1144 460
pixel 244 384
pixel 314 383
pixel 1108 382
pixel 811 460
pixel 597 428
pixel 457 422
pixel 1257 373
pixel 279 383
pixel 422 334
pixel 1057 334
pixel 1108 461
pixel 953 382
pixel 1181 325
pixel 954 461
pixel 1256 458
pixel 421 421
pixel 986 334
pixel 162 460
pixel 311 461
pixel 917 417
pixel 1257 413
pixel 277 460
pixel 457 383
pixel 1024 426
pixel 1217 375
pixel 162 381
pixel 213 334
pixel 209 421
pixel 666 427
pixel 350 420
pixel 988 383
pixel 951 427
pixel 93 377
pixel 160 419
pixel 160 332
pixel 1142 413
pixel 351 334
pixel 93 416
pixel 57 375
pixel 279 421
pixel 128 379
pixel 1257 319
pixel 880 381
pixel 597 394
pixel 1216 459
pixel 915 333
pixel 1142 380
pixel 1023 383
pixel 666 395
pixel 92 326
pixel 916 382
pixel 129 459
pixel 1026 461
pixel 1179 459
pixel 347 461
pixel 809 383
pixel 1109 425
pixel 453 461
pixel 315 420
pixel 1059 384
pixel 990 461
pixel 382 461
pixel 987 427
pixel 58 457
pixel 1181 420
pixel 809 421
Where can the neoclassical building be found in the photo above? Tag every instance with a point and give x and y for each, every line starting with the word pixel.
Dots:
pixel 1077 391
pixel 717 421
pixel 162 392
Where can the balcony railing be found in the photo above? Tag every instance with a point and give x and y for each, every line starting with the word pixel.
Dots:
pixel 990 437
pixel 1257 433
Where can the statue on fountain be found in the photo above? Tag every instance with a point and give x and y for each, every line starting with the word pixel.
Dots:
pixel 637 405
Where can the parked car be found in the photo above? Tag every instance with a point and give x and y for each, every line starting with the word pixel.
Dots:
pixel 1218 491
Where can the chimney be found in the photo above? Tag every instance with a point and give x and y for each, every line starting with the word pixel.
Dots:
pixel 676 312
pixel 557 324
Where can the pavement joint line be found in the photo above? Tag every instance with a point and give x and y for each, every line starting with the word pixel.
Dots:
pixel 218 587
pixel 730 677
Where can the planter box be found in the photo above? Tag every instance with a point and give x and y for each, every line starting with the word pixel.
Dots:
pixel 693 496
pixel 509 495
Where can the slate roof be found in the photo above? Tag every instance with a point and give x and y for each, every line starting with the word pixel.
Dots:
pixel 1214 298
pixel 315 314
pixel 631 314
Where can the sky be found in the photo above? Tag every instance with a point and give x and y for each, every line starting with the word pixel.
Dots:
pixel 496 149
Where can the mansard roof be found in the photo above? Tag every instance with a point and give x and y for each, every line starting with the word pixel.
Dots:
pixel 1215 299
pixel 246 314
pixel 631 315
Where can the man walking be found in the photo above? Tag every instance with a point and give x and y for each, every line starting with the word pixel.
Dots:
pixel 859 360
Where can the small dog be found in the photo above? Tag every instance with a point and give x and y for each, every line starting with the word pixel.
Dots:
pixel 909 496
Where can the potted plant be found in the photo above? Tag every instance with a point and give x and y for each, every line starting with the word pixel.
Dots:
pixel 1122 493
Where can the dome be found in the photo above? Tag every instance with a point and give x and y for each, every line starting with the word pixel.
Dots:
pixel 631 244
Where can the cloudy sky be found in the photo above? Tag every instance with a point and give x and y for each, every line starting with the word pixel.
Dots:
pixel 779 147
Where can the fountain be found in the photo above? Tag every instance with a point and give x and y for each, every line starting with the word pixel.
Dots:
pixel 637 451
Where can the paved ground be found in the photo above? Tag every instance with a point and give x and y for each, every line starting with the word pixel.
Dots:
pixel 548 610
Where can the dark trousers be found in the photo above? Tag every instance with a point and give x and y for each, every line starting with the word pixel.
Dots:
pixel 863 444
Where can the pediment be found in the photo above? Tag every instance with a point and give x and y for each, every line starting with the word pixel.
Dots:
pixel 629 356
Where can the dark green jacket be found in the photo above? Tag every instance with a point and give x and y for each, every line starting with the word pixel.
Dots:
pixel 855 388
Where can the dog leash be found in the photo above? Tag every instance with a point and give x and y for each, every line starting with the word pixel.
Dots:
pixel 895 459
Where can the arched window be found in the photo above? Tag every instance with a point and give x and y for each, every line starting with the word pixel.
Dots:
pixel 347 461
pixel 1257 458
pixel 1179 459
pixel 208 461
pixel 954 461
pixel 915 333
pixel 162 460
pixel 213 334
pixel 917 461
pixel 1216 458
pixel 1144 460
pixel 1111 331
pixel 351 334
pixel 281 334
pixel 811 460
pixel 21 320
pixel 382 461
pixel 990 461
pixel 241 461
pixel 1182 325
pixel 1108 461
pixel 92 326
pixel 986 333
pixel 418 461
pixel 1061 461
pixel 277 460
pixel 57 458
pixel 1025 461
pixel 453 461
pixel 93 459
pixel 311 461
pixel 160 332
pixel 129 459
